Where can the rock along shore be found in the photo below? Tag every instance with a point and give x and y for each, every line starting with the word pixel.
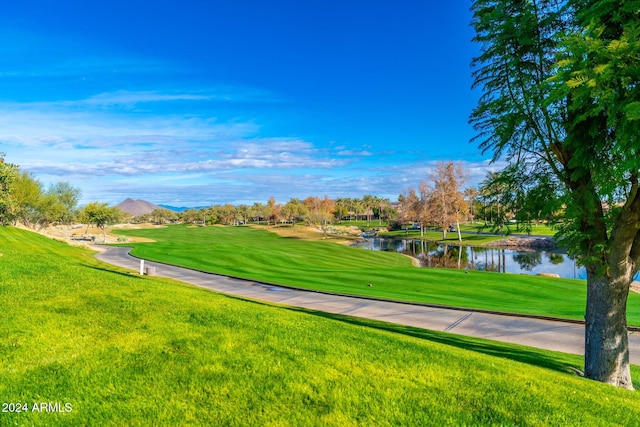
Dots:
pixel 523 242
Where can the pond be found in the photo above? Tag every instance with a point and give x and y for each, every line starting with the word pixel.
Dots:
pixel 484 258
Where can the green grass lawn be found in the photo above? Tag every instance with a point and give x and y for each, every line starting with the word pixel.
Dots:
pixel 535 229
pixel 469 237
pixel 260 255
pixel 121 349
pixel 363 224
pixel 473 234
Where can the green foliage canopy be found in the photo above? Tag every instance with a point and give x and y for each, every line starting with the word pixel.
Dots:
pixel 8 176
pixel 561 103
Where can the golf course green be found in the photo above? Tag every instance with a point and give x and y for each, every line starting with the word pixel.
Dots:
pixel 258 254
pixel 85 343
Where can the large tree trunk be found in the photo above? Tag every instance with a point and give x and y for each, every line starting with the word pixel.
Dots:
pixel 606 336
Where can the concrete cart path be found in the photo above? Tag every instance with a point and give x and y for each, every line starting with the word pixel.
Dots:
pixel 547 334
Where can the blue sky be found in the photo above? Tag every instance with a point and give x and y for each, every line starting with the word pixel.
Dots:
pixel 195 103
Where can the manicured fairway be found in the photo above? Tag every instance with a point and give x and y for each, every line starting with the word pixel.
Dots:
pixel 473 234
pixel 120 349
pixel 468 237
pixel 260 255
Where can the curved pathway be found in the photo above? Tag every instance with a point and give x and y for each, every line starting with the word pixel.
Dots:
pixel 547 334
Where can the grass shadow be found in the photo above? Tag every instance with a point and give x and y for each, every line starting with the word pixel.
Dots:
pixel 115 270
pixel 555 361
pixel 523 354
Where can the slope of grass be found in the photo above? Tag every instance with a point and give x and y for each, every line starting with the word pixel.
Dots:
pixel 260 255
pixel 534 229
pixel 469 237
pixel 119 349
pixel 474 234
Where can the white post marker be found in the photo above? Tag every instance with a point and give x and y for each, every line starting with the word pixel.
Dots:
pixel 141 267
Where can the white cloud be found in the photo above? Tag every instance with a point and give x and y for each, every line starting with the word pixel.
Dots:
pixel 112 150
pixel 361 153
pixel 47 126
pixel 123 97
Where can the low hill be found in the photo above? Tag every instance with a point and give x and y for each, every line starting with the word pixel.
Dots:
pixel 137 207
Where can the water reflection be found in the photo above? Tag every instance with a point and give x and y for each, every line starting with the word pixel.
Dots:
pixel 528 260
pixel 501 260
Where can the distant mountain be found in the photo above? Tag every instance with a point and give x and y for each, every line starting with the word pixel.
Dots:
pixel 174 208
pixel 137 207
pixel 181 208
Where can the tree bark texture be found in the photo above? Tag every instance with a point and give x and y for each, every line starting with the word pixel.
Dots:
pixel 606 336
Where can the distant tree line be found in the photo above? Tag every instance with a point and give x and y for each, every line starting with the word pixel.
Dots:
pixel 312 210
pixel 440 202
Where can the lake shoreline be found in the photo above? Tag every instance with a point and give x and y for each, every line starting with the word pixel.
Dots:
pixel 524 243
